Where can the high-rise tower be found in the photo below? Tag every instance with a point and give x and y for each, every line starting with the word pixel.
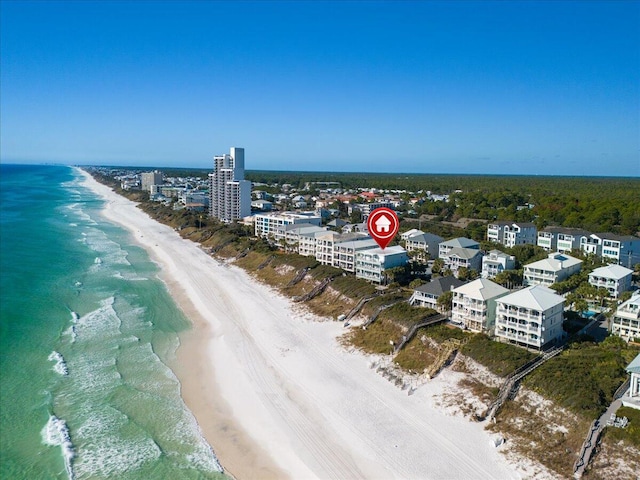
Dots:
pixel 229 192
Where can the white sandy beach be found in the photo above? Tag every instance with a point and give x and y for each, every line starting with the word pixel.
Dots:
pixel 277 396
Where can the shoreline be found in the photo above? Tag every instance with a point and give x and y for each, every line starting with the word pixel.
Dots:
pixel 274 393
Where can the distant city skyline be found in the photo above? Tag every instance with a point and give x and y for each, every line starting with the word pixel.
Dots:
pixel 542 88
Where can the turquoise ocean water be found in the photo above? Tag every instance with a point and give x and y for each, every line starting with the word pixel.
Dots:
pixel 86 333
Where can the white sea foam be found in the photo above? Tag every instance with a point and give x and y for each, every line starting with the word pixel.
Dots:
pixel 56 433
pixel 74 317
pixel 98 261
pixel 60 366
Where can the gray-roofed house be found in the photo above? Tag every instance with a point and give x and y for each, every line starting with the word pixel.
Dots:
pixel 427 295
pixel 461 242
pixel 424 242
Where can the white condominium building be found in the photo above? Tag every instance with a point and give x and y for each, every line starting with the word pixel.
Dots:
pixel 267 224
pixel 229 192
pixel 614 278
pixel 626 320
pixel 531 317
pixel 474 304
pixel 371 264
pixel 556 268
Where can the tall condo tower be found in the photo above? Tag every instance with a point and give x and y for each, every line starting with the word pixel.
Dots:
pixel 229 192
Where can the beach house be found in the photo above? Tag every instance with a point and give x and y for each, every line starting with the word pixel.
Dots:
pixel 555 268
pixel 531 317
pixel 474 304
pixel 626 320
pixel 427 295
pixel 615 278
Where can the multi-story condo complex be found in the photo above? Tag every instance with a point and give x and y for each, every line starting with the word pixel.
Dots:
pixel 496 262
pixel 424 242
pixel 474 304
pixel 458 258
pixel 615 278
pixel 367 208
pixel 626 320
pixel 511 234
pixel 229 192
pixel 563 240
pixel 371 264
pixel 294 237
pixel 461 242
pixel 531 317
pixel 555 268
pixel 148 179
pixel 267 224
pixel 344 251
pixel 427 295
pixel 326 244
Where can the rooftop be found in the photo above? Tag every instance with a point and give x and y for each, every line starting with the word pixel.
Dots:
pixel 537 297
pixel 481 289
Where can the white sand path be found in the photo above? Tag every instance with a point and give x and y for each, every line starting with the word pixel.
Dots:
pixel 316 410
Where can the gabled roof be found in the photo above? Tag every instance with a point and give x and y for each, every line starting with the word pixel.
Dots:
pixel 439 285
pixel 424 238
pixel 611 271
pixel 481 289
pixel 537 297
pixel 461 242
pixel 466 253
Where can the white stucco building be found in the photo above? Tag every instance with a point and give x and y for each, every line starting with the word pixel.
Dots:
pixel 267 224
pixel 531 317
pixel 555 268
pixel 458 258
pixel 474 304
pixel 371 264
pixel 229 192
pixel 615 278
pixel 149 179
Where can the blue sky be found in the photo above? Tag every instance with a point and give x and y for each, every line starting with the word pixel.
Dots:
pixel 426 87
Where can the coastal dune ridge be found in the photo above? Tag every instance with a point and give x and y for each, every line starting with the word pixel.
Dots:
pixel 277 396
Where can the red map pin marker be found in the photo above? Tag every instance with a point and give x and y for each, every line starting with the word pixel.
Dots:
pixel 383 225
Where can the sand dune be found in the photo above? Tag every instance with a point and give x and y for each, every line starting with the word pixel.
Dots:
pixel 277 396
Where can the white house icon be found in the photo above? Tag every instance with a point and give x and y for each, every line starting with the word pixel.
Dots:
pixel 382 224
